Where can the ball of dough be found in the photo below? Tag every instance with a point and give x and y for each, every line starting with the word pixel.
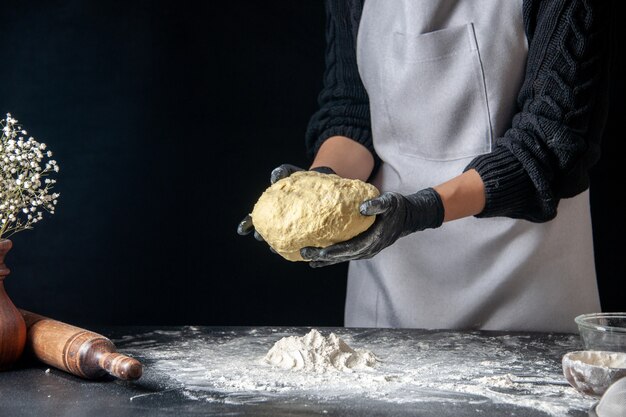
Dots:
pixel 311 209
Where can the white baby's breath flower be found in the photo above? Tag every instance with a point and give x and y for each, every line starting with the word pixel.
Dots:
pixel 25 186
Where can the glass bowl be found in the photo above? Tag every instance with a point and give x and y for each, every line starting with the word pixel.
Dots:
pixel 603 331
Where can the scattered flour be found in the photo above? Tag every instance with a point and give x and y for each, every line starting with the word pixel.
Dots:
pixel 491 373
pixel 316 353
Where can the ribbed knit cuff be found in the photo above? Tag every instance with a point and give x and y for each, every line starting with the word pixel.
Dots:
pixel 508 188
pixel 358 134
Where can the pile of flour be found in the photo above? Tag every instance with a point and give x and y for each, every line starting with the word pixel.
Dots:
pixel 316 353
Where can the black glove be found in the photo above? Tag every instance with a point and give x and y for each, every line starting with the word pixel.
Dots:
pixel 246 227
pixel 397 216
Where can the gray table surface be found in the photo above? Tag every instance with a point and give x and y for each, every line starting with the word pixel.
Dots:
pixel 211 371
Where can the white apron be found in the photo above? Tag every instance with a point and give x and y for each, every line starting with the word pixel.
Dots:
pixel 442 78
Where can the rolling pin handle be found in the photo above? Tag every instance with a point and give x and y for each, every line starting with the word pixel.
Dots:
pixel 121 366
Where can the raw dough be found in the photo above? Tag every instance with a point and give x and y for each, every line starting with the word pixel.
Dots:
pixel 311 209
pixel 316 353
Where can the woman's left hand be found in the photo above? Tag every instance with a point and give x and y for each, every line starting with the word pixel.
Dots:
pixel 397 216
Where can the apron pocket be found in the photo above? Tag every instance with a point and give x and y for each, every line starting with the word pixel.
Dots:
pixel 434 95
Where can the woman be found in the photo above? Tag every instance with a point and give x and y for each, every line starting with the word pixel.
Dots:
pixel 478 120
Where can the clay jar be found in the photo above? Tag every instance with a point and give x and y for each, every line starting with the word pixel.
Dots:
pixel 12 326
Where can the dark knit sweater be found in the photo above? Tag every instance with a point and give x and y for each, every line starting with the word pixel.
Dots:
pixel 561 107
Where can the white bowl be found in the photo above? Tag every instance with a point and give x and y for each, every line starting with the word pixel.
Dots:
pixel 593 371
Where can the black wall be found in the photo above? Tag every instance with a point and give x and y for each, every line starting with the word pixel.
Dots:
pixel 166 119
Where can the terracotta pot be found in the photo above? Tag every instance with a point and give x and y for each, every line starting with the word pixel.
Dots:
pixel 12 326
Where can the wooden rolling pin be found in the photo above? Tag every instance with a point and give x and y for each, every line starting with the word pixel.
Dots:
pixel 75 350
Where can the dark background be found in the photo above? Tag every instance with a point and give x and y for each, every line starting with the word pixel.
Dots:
pixel 166 119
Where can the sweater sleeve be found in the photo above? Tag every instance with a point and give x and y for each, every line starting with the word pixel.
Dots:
pixel 343 102
pixel 562 105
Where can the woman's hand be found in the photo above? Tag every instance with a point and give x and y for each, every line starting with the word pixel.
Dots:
pixel 397 216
